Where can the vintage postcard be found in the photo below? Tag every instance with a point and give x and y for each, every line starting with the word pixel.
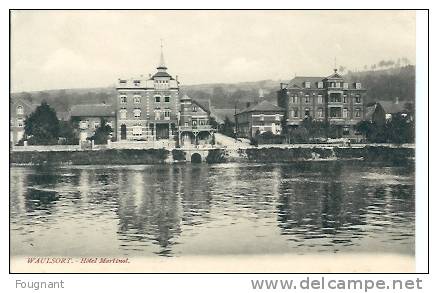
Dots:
pixel 166 141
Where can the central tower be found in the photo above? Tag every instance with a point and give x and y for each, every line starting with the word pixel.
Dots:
pixel 148 108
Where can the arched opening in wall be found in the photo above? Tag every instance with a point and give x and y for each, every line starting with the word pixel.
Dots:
pixel 123 132
pixel 196 158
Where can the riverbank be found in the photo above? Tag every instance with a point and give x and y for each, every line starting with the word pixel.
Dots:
pixel 271 154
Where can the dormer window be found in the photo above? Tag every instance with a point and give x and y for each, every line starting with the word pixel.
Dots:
pixel 358 85
pixel 136 82
pixel 195 109
pixel 122 81
pixel 320 84
pixel 307 84
pixel 345 85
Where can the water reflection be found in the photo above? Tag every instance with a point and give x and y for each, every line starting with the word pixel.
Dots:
pixel 169 210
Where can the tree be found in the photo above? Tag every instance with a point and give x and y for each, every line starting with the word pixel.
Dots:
pixel 69 131
pixel 228 128
pixel 42 126
pixel 102 133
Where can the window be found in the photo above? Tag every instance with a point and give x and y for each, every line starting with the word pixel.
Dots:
pixel 307 112
pixel 137 130
pixel 137 113
pixel 109 123
pixel 358 100
pixel 307 99
pixel 335 112
pixel 20 122
pixel 123 114
pixel 335 98
pixel 195 109
pixel 157 99
pixel 338 84
pixel 358 85
pixel 137 99
pixel 84 124
pixel 357 113
pixel 320 113
pixel 123 99
pixel 294 113
pixel 345 99
pixel 262 117
pixel 157 115
pixel 194 122
pixel 186 124
pixel 319 99
pixel 277 117
pixel 167 115
pixel 166 99
pixel 20 110
pixel 307 84
pixel 320 85
pixel 294 99
pixel 345 113
pixel 345 85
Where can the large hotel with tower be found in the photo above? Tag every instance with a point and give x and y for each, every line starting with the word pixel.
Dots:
pixel 151 109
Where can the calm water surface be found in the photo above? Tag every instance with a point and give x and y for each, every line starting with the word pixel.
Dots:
pixel 172 210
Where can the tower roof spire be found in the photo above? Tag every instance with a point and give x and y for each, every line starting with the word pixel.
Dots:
pixel 162 65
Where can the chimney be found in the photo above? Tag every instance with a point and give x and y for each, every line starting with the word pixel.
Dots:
pixel 261 94
pixel 176 77
pixel 150 75
pixel 396 100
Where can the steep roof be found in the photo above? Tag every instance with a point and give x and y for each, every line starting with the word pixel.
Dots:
pixel 263 106
pixel 391 107
pixel 221 114
pixel 93 110
pixel 298 81
pixel 203 105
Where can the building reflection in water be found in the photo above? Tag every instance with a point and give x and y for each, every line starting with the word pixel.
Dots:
pixel 155 203
pixel 145 210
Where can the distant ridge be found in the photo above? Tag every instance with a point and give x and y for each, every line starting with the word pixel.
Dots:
pixel 383 84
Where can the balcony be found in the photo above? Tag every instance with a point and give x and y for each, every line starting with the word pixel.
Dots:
pixel 196 128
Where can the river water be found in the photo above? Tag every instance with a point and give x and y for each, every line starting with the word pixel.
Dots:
pixel 173 210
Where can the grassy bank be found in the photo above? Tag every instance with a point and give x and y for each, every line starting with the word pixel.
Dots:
pixel 103 157
pixel 260 155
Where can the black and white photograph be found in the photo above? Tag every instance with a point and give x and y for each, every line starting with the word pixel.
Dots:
pixel 213 141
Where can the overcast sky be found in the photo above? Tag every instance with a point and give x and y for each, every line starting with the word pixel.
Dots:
pixel 78 49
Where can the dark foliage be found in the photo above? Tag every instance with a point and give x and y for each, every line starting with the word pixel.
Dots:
pixel 42 126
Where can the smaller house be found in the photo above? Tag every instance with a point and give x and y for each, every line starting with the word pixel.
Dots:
pixel 383 111
pixel 20 109
pixel 396 107
pixel 89 118
pixel 261 117
pixel 194 123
